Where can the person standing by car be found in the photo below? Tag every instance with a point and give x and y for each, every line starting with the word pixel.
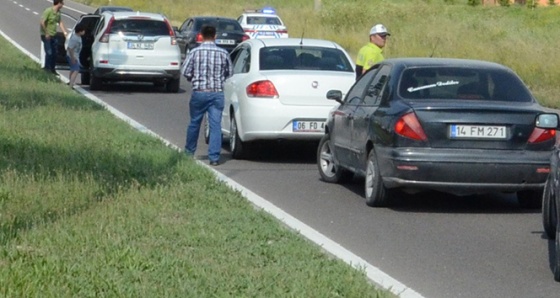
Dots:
pixel 372 53
pixel 49 22
pixel 206 67
pixel 73 47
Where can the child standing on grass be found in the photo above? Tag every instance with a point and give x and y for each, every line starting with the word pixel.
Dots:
pixel 73 48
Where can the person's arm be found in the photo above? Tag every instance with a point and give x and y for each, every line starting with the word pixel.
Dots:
pixel 359 71
pixel 44 25
pixel 63 28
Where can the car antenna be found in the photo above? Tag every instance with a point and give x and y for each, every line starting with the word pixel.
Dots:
pixel 302 34
pixel 434 48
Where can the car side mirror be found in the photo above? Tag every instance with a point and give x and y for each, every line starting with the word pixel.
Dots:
pixel 547 121
pixel 335 95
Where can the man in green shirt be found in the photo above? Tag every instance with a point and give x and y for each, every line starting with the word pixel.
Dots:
pixel 50 20
pixel 372 53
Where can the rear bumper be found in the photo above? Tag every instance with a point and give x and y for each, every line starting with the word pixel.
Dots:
pixel 464 171
pixel 117 74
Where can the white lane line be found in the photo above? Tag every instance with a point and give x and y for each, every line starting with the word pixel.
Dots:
pixel 373 273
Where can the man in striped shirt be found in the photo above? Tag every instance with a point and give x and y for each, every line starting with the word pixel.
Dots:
pixel 207 67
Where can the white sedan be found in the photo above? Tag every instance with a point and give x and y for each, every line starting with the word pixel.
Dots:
pixel 278 90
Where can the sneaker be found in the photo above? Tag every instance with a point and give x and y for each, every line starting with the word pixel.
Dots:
pixel 214 163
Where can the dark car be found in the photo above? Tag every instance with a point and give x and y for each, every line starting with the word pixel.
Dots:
pixel 452 125
pixel 228 33
pixel 102 9
pixel 551 208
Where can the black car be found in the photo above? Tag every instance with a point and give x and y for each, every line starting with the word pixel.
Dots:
pixel 551 208
pixel 452 125
pixel 228 33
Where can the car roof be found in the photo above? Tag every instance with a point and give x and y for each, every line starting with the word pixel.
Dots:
pixel 198 18
pixel 114 8
pixel 128 14
pixel 442 62
pixel 271 42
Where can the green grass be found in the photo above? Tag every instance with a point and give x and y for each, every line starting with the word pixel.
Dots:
pixel 523 39
pixel 90 207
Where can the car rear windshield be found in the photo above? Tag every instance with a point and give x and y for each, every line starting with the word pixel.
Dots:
pixel 462 83
pixel 145 27
pixel 221 25
pixel 308 58
pixel 263 21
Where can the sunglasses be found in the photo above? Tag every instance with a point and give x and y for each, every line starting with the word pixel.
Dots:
pixel 382 35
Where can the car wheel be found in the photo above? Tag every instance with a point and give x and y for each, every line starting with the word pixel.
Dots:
pixel 173 85
pixel 206 129
pixel 84 76
pixel 329 171
pixel 94 82
pixel 557 253
pixel 530 199
pixel 549 216
pixel 236 146
pixel 376 193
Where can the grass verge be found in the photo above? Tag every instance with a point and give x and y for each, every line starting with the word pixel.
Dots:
pixel 90 207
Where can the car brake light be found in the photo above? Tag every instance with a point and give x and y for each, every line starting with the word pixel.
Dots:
pixel 408 126
pixel 249 30
pixel 284 31
pixel 540 135
pixel 199 38
pixel 245 37
pixel 105 37
pixel 171 33
pixel 262 89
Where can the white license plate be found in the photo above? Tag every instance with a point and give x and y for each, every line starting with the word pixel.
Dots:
pixel 141 45
pixel 308 126
pixel 225 41
pixel 477 131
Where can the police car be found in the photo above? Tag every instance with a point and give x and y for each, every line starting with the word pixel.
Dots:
pixel 262 23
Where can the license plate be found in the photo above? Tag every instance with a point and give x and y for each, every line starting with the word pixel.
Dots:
pixel 308 126
pixel 477 131
pixel 225 41
pixel 141 45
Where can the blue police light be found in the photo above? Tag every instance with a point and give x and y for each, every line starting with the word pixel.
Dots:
pixel 268 10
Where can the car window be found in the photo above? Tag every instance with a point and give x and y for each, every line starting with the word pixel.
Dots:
pixel 377 86
pixel 263 20
pixel 242 62
pixel 228 25
pixel 462 83
pixel 354 96
pixel 143 26
pixel 305 58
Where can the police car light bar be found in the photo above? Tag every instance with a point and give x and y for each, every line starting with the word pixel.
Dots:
pixel 268 10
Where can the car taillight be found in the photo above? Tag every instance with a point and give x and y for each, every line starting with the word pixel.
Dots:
pixel 540 135
pixel 262 89
pixel 408 126
pixel 245 37
pixel 171 33
pixel 105 37
pixel 249 30
pixel 199 38
pixel 284 31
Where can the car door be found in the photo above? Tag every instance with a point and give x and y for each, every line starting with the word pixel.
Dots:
pixel 343 119
pixel 234 87
pixel 364 114
pixel 181 37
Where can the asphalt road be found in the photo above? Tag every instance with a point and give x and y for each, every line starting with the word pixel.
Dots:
pixel 437 244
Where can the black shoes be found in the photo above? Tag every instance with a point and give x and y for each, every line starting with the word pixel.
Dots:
pixel 214 163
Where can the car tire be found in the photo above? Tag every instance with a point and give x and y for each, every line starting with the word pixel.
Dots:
pixel 549 215
pixel 328 169
pixel 377 195
pixel 530 199
pixel 556 261
pixel 94 82
pixel 84 76
pixel 172 85
pixel 237 147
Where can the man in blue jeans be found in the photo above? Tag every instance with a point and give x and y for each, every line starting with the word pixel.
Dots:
pixel 50 20
pixel 207 67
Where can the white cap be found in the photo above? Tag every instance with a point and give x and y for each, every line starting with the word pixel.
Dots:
pixel 378 29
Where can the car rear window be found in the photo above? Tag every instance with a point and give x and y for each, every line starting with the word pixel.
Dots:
pixel 220 25
pixel 145 27
pixel 263 21
pixel 307 58
pixel 462 83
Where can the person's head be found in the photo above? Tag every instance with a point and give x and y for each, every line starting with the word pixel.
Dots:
pixel 208 32
pixel 80 29
pixel 378 35
pixel 58 3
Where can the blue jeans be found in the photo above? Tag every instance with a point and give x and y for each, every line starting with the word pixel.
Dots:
pixel 50 47
pixel 213 104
